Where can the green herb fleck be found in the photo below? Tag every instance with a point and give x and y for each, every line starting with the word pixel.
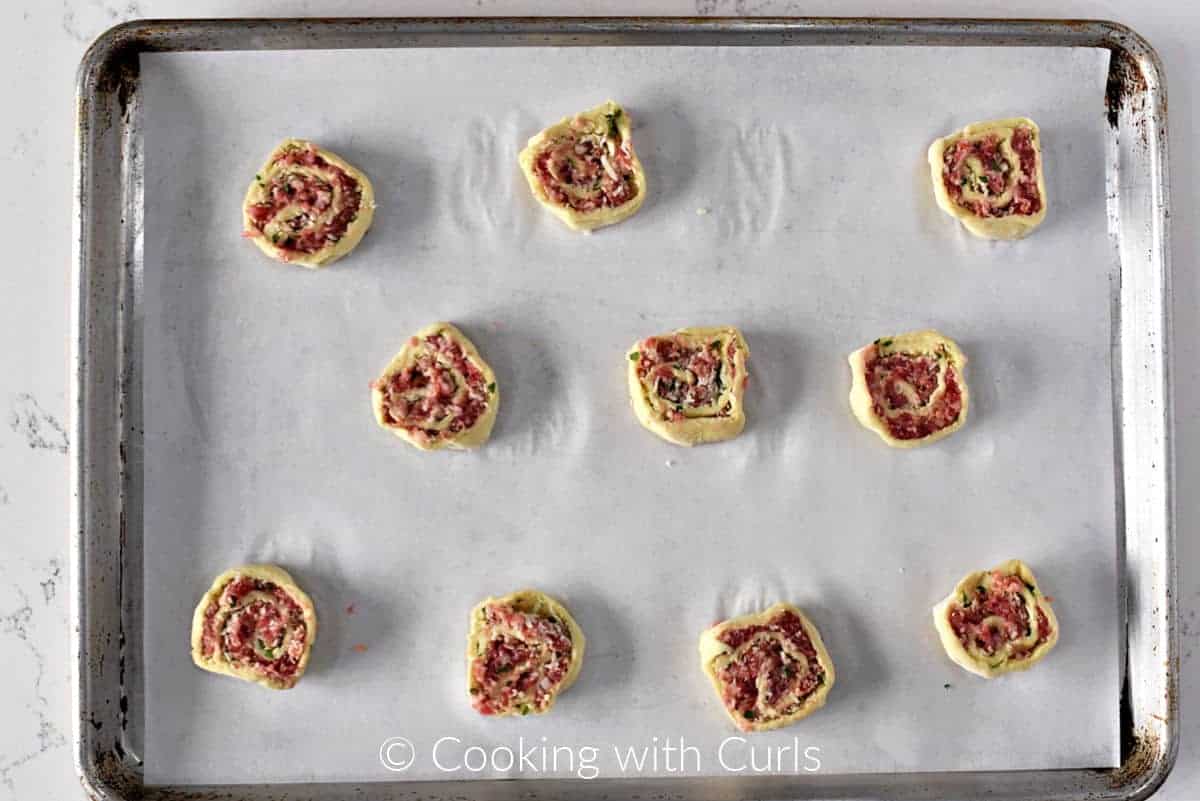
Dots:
pixel 524 709
pixel 966 601
pixel 715 344
pixel 613 129
pixel 491 387
pixel 883 343
pixel 1032 589
pixel 633 357
pixel 749 714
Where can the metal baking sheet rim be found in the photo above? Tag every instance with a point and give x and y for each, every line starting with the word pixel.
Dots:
pixel 105 411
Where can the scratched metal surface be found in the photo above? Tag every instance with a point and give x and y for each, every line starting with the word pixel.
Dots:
pixel 107 472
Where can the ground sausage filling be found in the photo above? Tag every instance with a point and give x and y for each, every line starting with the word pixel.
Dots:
pixel 589 167
pixel 1000 619
pixel 519 662
pixel 256 625
pixel 994 176
pixel 439 392
pixel 914 394
pixel 771 672
pixel 685 379
pixel 307 203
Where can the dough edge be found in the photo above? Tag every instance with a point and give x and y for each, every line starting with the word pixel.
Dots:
pixel 355 231
pixel 955 650
pixel 590 220
pixel 860 395
pixel 1004 228
pixel 711 648
pixel 265 572
pixel 697 431
pixel 472 437
pixel 538 603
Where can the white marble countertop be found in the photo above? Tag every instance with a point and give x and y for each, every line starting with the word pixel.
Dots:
pixel 41 42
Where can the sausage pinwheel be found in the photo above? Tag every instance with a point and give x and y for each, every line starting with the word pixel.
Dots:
pixel 989 177
pixel 522 651
pixel 437 392
pixel 584 169
pixel 255 624
pixel 997 621
pixel 307 206
pixel 687 386
pixel 909 388
pixel 770 669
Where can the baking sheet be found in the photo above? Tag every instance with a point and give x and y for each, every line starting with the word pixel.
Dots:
pixel 789 196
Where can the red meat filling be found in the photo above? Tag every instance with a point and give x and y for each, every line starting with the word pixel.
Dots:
pixel 1004 601
pixel 422 395
pixel 246 635
pixel 519 673
pixel 660 357
pixel 998 173
pixel 740 679
pixel 888 378
pixel 305 232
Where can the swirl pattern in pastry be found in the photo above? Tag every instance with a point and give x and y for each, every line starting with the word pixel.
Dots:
pixel 688 386
pixel 989 177
pixel 523 650
pixel 255 624
pixel 584 168
pixel 997 621
pixel 307 206
pixel 910 388
pixel 437 392
pixel 769 669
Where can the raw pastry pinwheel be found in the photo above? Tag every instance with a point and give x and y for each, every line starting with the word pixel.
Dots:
pixel 989 176
pixel 307 206
pixel 255 624
pixel 522 651
pixel 909 388
pixel 584 170
pixel 687 387
pixel 770 669
pixel 997 621
pixel 437 392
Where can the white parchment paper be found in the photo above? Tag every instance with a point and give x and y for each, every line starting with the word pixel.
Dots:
pixel 789 196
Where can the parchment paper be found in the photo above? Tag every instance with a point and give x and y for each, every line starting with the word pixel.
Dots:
pixel 788 195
